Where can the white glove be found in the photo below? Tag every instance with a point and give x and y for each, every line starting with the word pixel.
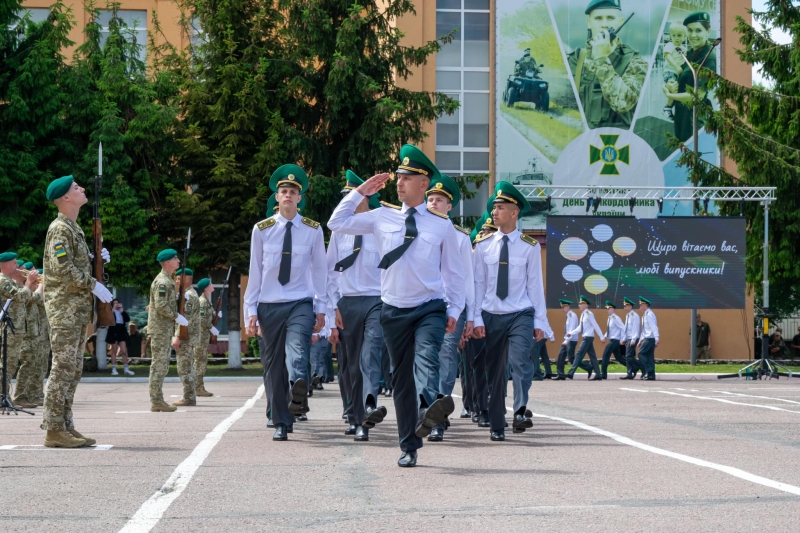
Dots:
pixel 186 295
pixel 105 255
pixel 181 320
pixel 219 314
pixel 214 331
pixel 102 293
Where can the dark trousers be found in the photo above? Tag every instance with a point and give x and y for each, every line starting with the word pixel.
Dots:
pixel 612 347
pixel 587 347
pixel 566 353
pixel 508 340
pixel 362 343
pixel 288 341
pixel 475 353
pixel 465 369
pixel 386 368
pixel 647 357
pixel 413 337
pixel 632 364
pixel 538 356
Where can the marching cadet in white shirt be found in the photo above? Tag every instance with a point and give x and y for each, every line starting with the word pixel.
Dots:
pixel 539 355
pixel 615 333
pixel 509 307
pixel 286 295
pixel 648 341
pixel 567 351
pixel 587 327
pixel 354 290
pixel 418 249
pixel 630 339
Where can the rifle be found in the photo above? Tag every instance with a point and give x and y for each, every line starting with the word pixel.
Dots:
pixel 184 330
pixel 105 316
pixel 219 305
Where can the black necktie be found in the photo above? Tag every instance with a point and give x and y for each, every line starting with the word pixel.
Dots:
pixel 286 256
pixel 348 261
pixel 411 233
pixel 502 271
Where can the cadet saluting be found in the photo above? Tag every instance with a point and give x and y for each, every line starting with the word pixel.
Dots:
pixel 418 248
pixel 286 294
pixel 509 307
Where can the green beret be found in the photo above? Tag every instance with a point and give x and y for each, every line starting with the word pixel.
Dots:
pixel 609 304
pixel 584 300
pixel 352 183
pixel 506 193
pixel 7 256
pixel 28 266
pixel 289 175
pixel 188 272
pixel 20 262
pixel 447 186
pixel 203 283
pixel 628 301
pixel 643 300
pixel 59 187
pixel 40 270
pixel 166 255
pixel 602 4
pixel 414 161
pixel 697 16
pixel 564 302
pixel 272 205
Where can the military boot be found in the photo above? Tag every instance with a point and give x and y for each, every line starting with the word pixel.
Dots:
pixel 74 433
pixel 201 391
pixel 62 439
pixel 183 402
pixel 162 406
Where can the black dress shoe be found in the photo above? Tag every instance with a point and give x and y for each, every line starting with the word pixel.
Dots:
pixel 362 434
pixel 522 422
pixel 465 413
pixel 316 380
pixel 434 415
pixel 301 418
pixel 299 403
pixel 642 377
pixel 374 416
pixel 650 378
pixel 483 420
pixel 528 413
pixel 310 392
pixel 351 429
pixel 270 423
pixel 537 379
pixel 604 376
pixel 408 459
pixel 590 372
pixel 280 433
pixel 437 435
pixel 497 436
pixel 627 376
pixel 387 394
pixel 569 376
pixel 344 416
pixel 596 378
pixel 475 418
pixel 560 378
pixel 319 387
pixel 548 376
pixel 290 429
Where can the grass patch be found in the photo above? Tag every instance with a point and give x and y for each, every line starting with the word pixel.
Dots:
pixel 689 369
pixel 143 371
pixel 548 125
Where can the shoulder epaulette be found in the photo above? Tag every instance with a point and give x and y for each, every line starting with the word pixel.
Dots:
pixel 437 213
pixel 390 206
pixel 308 222
pixel 462 230
pixel 264 224
pixel 530 240
pixel 480 238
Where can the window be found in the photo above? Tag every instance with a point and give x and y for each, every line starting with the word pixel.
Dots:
pixel 136 22
pixel 462 72
pixel 35 14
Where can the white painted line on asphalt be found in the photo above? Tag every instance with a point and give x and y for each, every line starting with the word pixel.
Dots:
pixel 770 407
pixel 42 448
pixel 633 390
pixel 154 508
pixel 676 388
pixel 762 397
pixel 140 412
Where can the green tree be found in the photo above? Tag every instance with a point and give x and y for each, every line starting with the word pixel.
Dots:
pixel 758 129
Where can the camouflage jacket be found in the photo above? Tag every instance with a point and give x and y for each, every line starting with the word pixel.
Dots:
pixel 21 295
pixel 192 313
pixel 145 335
pixel 68 280
pixel 525 64
pixel 33 319
pixel 44 324
pixel 163 305
pixel 206 314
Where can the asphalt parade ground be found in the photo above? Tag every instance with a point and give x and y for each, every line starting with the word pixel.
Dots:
pixel 602 456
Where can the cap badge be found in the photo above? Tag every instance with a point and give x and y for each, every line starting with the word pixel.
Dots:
pixel 290 177
pixel 405 160
pixel 439 185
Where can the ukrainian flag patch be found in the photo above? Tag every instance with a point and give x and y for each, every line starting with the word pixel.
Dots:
pixel 162 290
pixel 61 252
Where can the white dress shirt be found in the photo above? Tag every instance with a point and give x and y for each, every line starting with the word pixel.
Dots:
pixel 525 288
pixel 465 248
pixel 632 326
pixel 587 326
pixel 614 328
pixel 309 268
pixel 571 324
pixel 548 332
pixel 416 277
pixel 649 325
pixel 361 279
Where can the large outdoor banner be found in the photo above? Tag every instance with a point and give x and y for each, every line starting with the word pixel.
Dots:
pixel 675 262
pixel 587 91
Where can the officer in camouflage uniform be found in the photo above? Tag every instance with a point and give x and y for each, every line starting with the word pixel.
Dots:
pixel 43 351
pixel 206 330
pixel 148 344
pixel 161 327
pixel 28 368
pixel 17 311
pixel 68 288
pixel 184 352
pixel 609 75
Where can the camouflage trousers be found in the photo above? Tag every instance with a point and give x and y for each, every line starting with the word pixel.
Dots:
pixel 159 364
pixel 185 358
pixel 15 348
pixel 201 359
pixel 67 343
pixel 27 371
pixel 42 363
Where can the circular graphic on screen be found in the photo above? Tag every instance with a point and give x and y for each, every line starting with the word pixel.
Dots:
pixel 596 284
pixel 572 273
pixel 624 246
pixel 573 248
pixel 602 232
pixel 601 261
